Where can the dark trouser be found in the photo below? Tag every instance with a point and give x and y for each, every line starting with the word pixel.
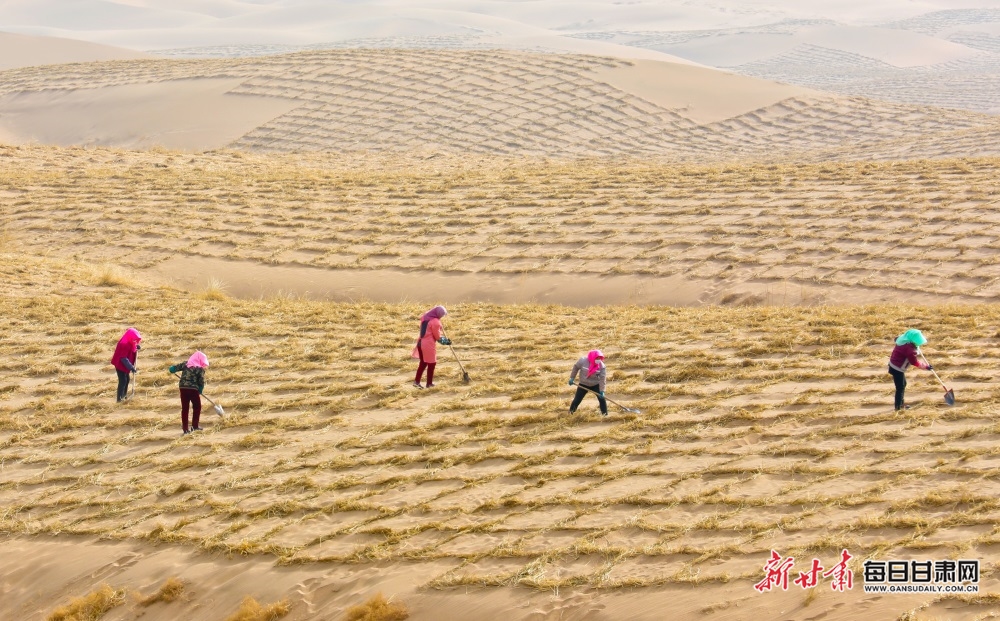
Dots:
pixel 581 392
pixel 122 384
pixel 190 397
pixel 424 365
pixel 899 379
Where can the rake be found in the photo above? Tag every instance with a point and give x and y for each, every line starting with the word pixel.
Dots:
pixel 949 394
pixel 218 408
pixel 465 376
pixel 627 409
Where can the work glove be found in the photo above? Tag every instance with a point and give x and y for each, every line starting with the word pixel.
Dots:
pixel 444 340
pixel 172 369
pixel 602 394
pixel 571 381
pixel 930 368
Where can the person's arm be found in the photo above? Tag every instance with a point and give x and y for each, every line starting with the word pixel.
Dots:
pixel 127 364
pixel 915 360
pixel 573 373
pixel 603 375
pixel 434 329
pixel 201 381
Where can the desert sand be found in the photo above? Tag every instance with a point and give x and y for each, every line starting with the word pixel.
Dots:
pixel 743 244
pixel 18 50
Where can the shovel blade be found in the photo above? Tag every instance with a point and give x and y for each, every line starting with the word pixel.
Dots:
pixel 465 378
pixel 219 410
pixel 949 397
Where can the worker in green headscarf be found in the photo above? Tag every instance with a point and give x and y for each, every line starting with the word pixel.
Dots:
pixel 904 354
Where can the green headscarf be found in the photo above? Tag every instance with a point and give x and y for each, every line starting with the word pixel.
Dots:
pixel 912 336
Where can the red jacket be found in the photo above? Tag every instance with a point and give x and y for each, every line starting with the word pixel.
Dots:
pixel 903 356
pixel 126 350
pixel 427 344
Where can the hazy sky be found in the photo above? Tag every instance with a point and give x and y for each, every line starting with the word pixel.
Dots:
pixel 152 24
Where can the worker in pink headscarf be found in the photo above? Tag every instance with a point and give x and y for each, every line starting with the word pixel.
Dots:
pixel 426 348
pixel 593 378
pixel 124 359
pixel 192 384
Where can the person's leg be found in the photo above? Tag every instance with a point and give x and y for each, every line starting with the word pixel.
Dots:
pixel 430 373
pixel 122 384
pixel 185 405
pixel 604 403
pixel 899 379
pixel 196 409
pixel 420 367
pixel 581 392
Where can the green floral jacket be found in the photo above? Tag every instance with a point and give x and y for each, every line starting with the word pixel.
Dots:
pixel 191 377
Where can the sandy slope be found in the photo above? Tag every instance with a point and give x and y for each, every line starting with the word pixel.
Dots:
pixel 398 228
pixel 180 114
pixel 331 478
pixel 25 51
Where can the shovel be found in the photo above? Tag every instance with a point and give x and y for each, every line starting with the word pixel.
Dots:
pixel 465 376
pixel 218 408
pixel 949 394
pixel 627 409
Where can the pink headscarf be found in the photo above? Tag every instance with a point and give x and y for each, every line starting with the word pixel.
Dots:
pixel 435 313
pixel 198 359
pixel 131 338
pixel 593 356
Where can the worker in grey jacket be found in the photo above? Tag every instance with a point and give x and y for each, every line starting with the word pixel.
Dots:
pixel 593 378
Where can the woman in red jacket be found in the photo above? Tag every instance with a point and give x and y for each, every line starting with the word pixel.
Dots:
pixel 426 348
pixel 124 359
pixel 903 356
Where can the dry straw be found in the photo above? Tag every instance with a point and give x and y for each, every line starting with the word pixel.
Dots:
pixel 378 608
pixel 252 610
pixel 90 607
pixel 762 427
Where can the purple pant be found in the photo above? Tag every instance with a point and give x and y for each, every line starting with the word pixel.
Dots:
pixel 190 398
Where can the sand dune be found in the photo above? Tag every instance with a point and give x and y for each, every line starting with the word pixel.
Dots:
pixel 894 47
pixel 26 51
pixel 488 102
pixel 180 114
pixel 926 53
